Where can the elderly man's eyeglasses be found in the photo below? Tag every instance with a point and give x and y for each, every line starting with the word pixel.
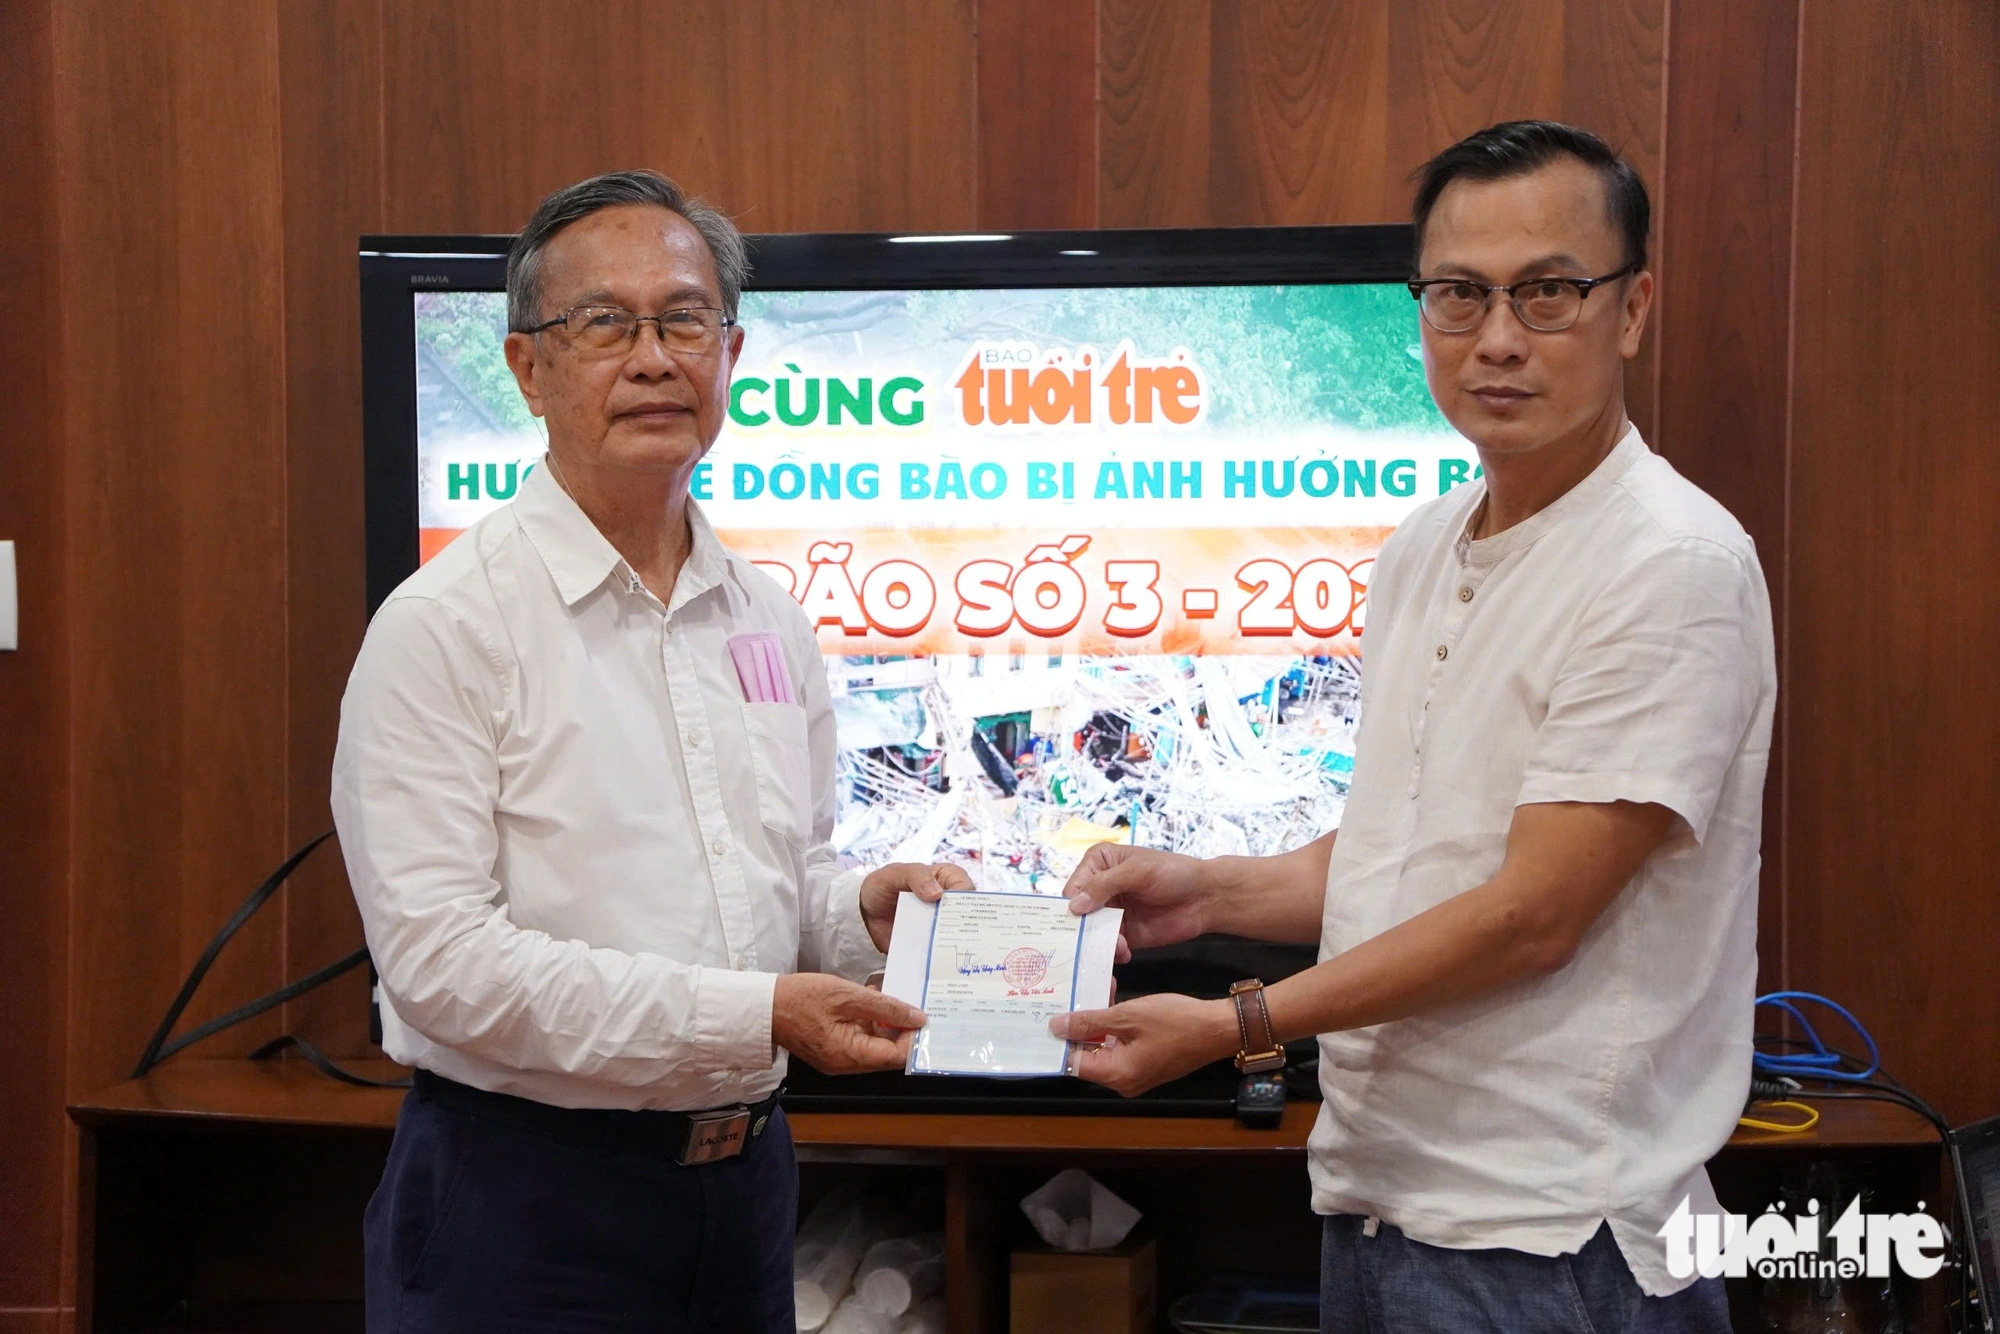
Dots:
pixel 608 330
pixel 1546 305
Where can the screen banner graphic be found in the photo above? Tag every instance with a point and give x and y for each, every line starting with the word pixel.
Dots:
pixel 1085 563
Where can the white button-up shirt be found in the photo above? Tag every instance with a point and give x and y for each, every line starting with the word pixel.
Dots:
pixel 581 857
pixel 1614 647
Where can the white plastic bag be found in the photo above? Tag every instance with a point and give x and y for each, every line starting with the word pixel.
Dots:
pixel 1074 1212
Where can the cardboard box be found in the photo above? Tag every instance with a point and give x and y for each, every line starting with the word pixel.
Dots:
pixel 1085 1292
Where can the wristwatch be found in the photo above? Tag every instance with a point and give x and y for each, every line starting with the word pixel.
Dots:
pixel 1259 1052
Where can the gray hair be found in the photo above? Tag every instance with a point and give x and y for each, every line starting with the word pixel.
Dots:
pixel 573 203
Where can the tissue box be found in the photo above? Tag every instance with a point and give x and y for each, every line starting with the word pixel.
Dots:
pixel 1085 1292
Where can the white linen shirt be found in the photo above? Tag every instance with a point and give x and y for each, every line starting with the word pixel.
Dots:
pixel 1614 647
pixel 582 859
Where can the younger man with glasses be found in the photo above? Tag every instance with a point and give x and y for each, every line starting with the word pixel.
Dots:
pixel 584 786
pixel 1537 921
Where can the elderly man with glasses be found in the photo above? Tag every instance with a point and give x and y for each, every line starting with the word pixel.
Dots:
pixel 584 786
pixel 1537 921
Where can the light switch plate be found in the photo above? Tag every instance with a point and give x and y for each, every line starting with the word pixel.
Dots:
pixel 10 606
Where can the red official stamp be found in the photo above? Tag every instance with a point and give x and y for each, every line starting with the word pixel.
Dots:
pixel 1025 967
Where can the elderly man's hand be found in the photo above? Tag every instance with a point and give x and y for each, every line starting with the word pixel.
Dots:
pixel 840 1027
pixel 926 881
pixel 1143 1043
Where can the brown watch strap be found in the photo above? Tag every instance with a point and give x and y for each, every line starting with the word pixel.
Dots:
pixel 1258 1050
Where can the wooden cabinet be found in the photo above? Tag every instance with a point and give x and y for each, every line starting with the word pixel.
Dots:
pixel 227 1196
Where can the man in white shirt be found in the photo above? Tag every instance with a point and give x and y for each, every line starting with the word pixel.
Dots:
pixel 591 856
pixel 1537 922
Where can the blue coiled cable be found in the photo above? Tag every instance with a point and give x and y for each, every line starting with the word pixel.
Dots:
pixel 1821 1062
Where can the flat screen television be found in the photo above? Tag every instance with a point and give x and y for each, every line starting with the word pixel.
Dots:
pixel 1084 520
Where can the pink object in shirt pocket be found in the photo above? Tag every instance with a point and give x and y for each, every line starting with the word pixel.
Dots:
pixel 761 669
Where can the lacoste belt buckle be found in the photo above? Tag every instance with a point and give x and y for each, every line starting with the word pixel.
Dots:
pixel 715 1135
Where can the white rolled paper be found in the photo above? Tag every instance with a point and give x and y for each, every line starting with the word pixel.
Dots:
pixel 900 1271
pixel 855 1316
pixel 828 1248
pixel 810 1306
pixel 926 1317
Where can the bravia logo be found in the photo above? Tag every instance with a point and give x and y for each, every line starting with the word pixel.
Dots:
pixel 1774 1245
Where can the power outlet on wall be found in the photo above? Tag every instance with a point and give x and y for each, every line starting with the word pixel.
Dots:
pixel 10 606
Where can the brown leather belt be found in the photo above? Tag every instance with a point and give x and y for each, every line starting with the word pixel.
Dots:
pixel 687 1138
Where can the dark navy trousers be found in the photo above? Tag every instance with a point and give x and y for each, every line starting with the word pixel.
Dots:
pixel 489 1228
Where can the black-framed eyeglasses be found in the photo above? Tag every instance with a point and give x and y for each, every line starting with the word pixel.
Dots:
pixel 1546 305
pixel 693 330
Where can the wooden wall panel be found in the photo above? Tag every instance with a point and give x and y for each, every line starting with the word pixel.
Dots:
pixel 1614 72
pixel 34 707
pixel 1614 81
pixel 870 129
pixel 1037 114
pixel 1723 324
pixel 1153 63
pixel 1458 65
pixel 330 86
pixel 486 108
pixel 869 126
pixel 1894 654
pixel 173 356
pixel 1295 112
pixel 1300 106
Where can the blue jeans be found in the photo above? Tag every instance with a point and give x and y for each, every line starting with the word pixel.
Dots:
pixel 481 1228
pixel 1388 1284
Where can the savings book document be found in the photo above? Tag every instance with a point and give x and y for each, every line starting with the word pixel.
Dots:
pixel 989 970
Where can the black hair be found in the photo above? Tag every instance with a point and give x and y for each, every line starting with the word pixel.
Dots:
pixel 1517 147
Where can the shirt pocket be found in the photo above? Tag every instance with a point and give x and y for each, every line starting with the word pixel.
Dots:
pixel 782 759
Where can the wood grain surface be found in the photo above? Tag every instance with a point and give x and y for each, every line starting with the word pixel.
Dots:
pixel 173 403
pixel 1037 114
pixel 1300 101
pixel 1893 615
pixel 843 116
pixel 1723 319
pixel 1273 112
pixel 290 1094
pixel 34 782
pixel 1153 141
pixel 330 85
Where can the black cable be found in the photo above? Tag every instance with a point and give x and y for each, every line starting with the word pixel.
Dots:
pixel 159 1049
pixel 319 1062
pixel 291 991
pixel 257 899
pixel 1882 1093
pixel 1881 1086
pixel 1892 1092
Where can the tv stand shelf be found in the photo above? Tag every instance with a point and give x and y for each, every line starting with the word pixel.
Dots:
pixel 226 1194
